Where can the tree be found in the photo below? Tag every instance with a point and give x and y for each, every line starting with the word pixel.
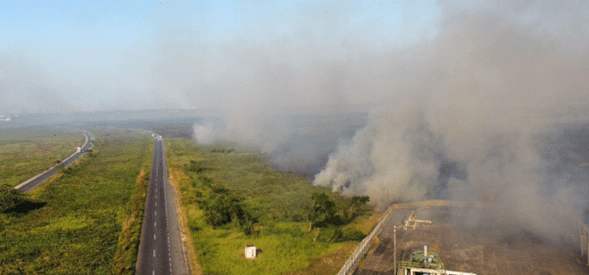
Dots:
pixel 321 208
pixel 356 207
pixel 10 197
pixel 358 204
pixel 222 207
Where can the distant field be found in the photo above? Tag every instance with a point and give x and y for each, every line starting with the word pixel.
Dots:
pixel 27 152
pixel 278 202
pixel 86 220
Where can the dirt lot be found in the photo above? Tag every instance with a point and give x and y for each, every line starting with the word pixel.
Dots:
pixel 481 249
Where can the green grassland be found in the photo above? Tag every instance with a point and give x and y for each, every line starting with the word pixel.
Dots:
pixel 25 153
pixel 86 219
pixel 277 203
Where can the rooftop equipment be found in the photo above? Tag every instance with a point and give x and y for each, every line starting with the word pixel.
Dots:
pixel 424 262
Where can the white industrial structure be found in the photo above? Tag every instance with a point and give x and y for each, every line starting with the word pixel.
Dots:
pixel 250 251
pixel 424 262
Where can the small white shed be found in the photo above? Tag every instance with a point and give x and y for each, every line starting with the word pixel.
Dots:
pixel 250 251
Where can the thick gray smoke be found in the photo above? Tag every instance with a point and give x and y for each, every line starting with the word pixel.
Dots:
pixel 471 111
pixel 463 116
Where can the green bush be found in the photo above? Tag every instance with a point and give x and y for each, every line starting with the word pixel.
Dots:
pixel 10 197
pixel 352 234
pixel 221 208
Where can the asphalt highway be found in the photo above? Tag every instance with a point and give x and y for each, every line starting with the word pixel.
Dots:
pixel 160 248
pixel 33 182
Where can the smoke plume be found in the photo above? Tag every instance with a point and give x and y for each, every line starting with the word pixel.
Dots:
pixel 469 119
pixel 470 114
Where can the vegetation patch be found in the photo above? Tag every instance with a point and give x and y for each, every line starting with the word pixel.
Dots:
pixel 330 264
pixel 177 176
pixel 233 198
pixel 10 198
pixel 125 258
pixel 26 152
pixel 73 223
pixel 68 223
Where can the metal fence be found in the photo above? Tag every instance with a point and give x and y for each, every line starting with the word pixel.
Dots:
pixel 352 262
pixel 577 232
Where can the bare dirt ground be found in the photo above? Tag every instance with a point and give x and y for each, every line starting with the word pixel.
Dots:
pixel 483 249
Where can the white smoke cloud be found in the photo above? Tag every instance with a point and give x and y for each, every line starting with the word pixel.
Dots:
pixel 204 134
pixel 480 95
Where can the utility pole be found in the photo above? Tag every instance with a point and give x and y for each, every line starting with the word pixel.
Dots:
pixel 395 249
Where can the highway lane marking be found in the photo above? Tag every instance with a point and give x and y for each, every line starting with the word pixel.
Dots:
pixel 156 213
pixel 154 236
pixel 154 223
pixel 156 204
pixel 154 253
pixel 167 225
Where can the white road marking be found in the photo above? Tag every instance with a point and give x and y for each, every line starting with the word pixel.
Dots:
pixel 154 236
pixel 154 223
pixel 154 253
pixel 153 272
pixel 156 213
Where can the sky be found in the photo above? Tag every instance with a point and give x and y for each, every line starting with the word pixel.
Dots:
pixel 62 56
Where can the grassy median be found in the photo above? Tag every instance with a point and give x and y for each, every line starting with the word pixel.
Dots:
pixel 80 219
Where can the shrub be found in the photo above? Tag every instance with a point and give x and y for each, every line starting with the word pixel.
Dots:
pixel 222 208
pixel 297 218
pixel 352 234
pixel 10 197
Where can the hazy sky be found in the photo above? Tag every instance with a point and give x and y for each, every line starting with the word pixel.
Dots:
pixel 72 55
